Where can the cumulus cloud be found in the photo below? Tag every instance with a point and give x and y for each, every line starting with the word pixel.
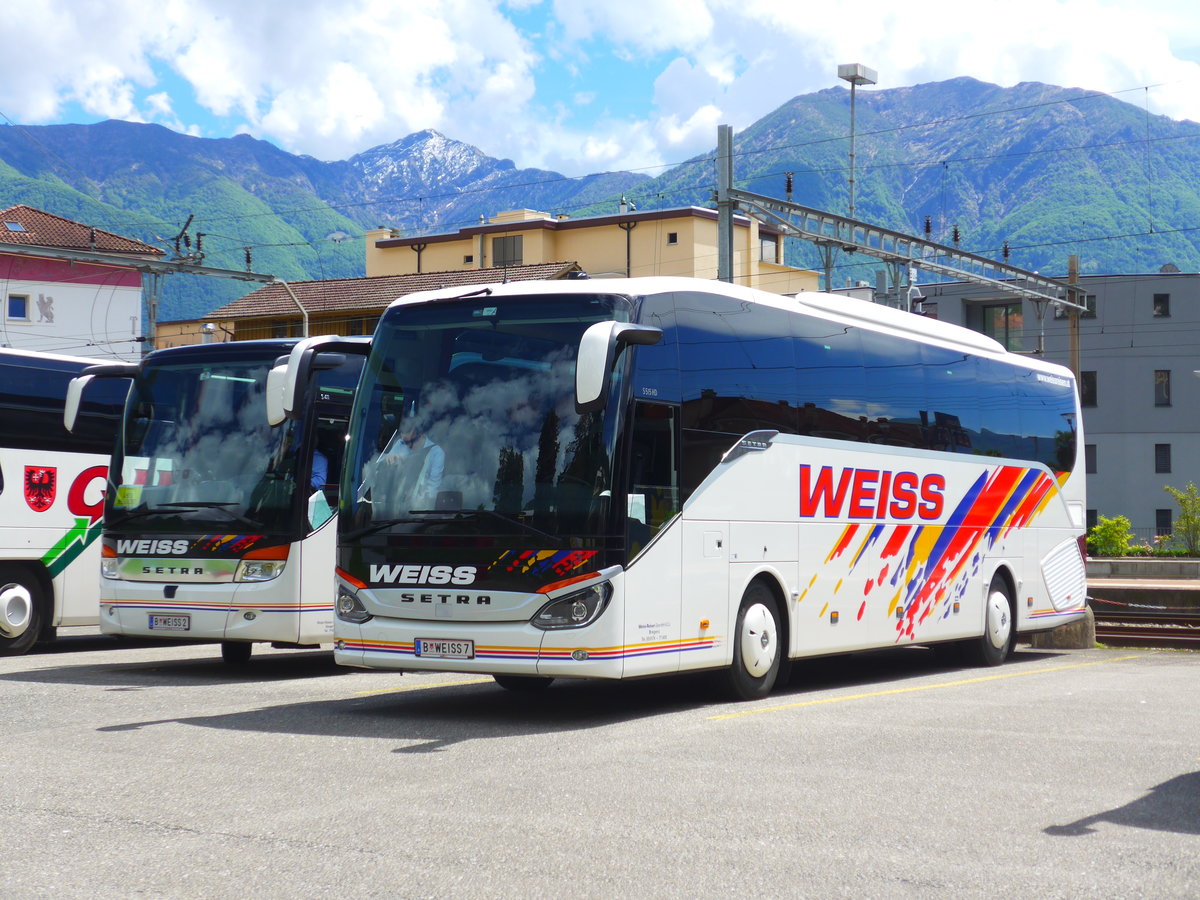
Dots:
pixel 331 81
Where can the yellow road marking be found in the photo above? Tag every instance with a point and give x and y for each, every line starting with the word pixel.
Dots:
pixel 913 690
pixel 423 687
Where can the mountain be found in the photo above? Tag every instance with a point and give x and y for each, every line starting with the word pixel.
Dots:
pixel 1050 171
pixel 294 212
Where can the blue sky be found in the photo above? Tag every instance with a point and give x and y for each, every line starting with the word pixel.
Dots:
pixel 573 85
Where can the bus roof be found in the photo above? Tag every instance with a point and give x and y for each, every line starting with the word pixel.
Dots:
pixel 834 307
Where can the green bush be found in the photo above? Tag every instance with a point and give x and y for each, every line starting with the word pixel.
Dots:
pixel 1110 537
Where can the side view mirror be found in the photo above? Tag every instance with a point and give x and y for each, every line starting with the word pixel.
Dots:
pixel 598 349
pixel 79 383
pixel 75 389
pixel 305 358
pixel 276 386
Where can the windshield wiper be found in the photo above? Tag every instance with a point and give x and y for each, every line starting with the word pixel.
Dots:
pixel 449 515
pixel 492 514
pixel 163 509
pixel 379 526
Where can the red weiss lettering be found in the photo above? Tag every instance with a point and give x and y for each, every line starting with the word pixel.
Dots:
pixel 870 494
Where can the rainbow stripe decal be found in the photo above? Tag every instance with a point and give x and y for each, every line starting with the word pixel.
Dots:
pixel 925 568
pixel 221 606
pixel 563 654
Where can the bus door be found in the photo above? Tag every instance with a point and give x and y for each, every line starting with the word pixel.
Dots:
pixel 654 540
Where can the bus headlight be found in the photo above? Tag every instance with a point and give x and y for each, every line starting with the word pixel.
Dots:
pixel 108 567
pixel 350 609
pixel 262 565
pixel 259 569
pixel 575 610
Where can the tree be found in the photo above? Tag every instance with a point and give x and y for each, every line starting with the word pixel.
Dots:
pixel 1187 525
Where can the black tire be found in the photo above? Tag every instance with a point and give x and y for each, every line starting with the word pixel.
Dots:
pixel 757 649
pixel 236 653
pixel 523 683
pixel 22 610
pixel 1000 627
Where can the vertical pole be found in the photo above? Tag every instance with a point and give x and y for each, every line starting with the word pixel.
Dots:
pixel 1073 315
pixel 852 95
pixel 152 311
pixel 628 227
pixel 724 203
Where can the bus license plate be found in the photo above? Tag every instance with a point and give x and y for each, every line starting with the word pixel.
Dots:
pixel 170 623
pixel 439 648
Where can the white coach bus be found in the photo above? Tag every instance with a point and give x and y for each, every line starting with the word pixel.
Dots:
pixel 218 526
pixel 619 478
pixel 51 496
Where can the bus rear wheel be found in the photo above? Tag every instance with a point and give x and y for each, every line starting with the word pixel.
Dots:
pixel 236 653
pixel 757 649
pixel 21 610
pixel 523 683
pixel 1000 627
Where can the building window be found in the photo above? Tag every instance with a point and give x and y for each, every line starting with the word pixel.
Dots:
pixel 17 309
pixel 1162 387
pixel 1093 518
pixel 1162 458
pixel 672 237
pixel 1087 388
pixel 506 251
pixel 768 247
pixel 468 259
pixel 1089 311
pixel 1162 522
pixel 1004 322
pixel 1089 459
pixel 1162 306
pixel 286 329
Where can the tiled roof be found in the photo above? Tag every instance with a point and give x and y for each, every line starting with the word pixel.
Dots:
pixel 375 293
pixel 36 228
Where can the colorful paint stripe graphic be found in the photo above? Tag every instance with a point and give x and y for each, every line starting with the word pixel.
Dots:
pixel 558 654
pixel 542 563
pixel 216 606
pixel 926 568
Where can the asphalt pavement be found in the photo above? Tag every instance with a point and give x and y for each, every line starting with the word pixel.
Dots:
pixel 146 770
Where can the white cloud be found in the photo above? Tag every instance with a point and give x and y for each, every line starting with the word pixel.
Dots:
pixel 331 80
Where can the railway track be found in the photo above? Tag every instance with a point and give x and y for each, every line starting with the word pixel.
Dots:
pixel 1147 629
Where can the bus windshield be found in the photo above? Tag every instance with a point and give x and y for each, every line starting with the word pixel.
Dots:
pixel 465 423
pixel 196 452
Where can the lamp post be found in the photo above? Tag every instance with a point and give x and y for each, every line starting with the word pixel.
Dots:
pixel 856 74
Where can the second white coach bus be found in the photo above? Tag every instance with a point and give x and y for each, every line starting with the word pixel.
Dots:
pixel 620 478
pixel 217 525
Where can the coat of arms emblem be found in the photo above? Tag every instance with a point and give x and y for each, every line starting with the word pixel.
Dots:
pixel 40 485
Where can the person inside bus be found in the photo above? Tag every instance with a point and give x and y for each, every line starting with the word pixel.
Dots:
pixel 417 463
pixel 320 471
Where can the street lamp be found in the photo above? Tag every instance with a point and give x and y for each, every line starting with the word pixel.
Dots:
pixel 856 74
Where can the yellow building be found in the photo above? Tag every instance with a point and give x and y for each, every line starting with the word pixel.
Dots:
pixel 658 242
pixel 514 246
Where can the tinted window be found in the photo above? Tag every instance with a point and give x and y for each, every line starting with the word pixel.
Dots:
pixel 737 367
pixel 831 381
pixel 32 394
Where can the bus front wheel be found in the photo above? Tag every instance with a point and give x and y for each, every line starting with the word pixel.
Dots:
pixel 20 610
pixel 1000 627
pixel 523 683
pixel 757 650
pixel 236 653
